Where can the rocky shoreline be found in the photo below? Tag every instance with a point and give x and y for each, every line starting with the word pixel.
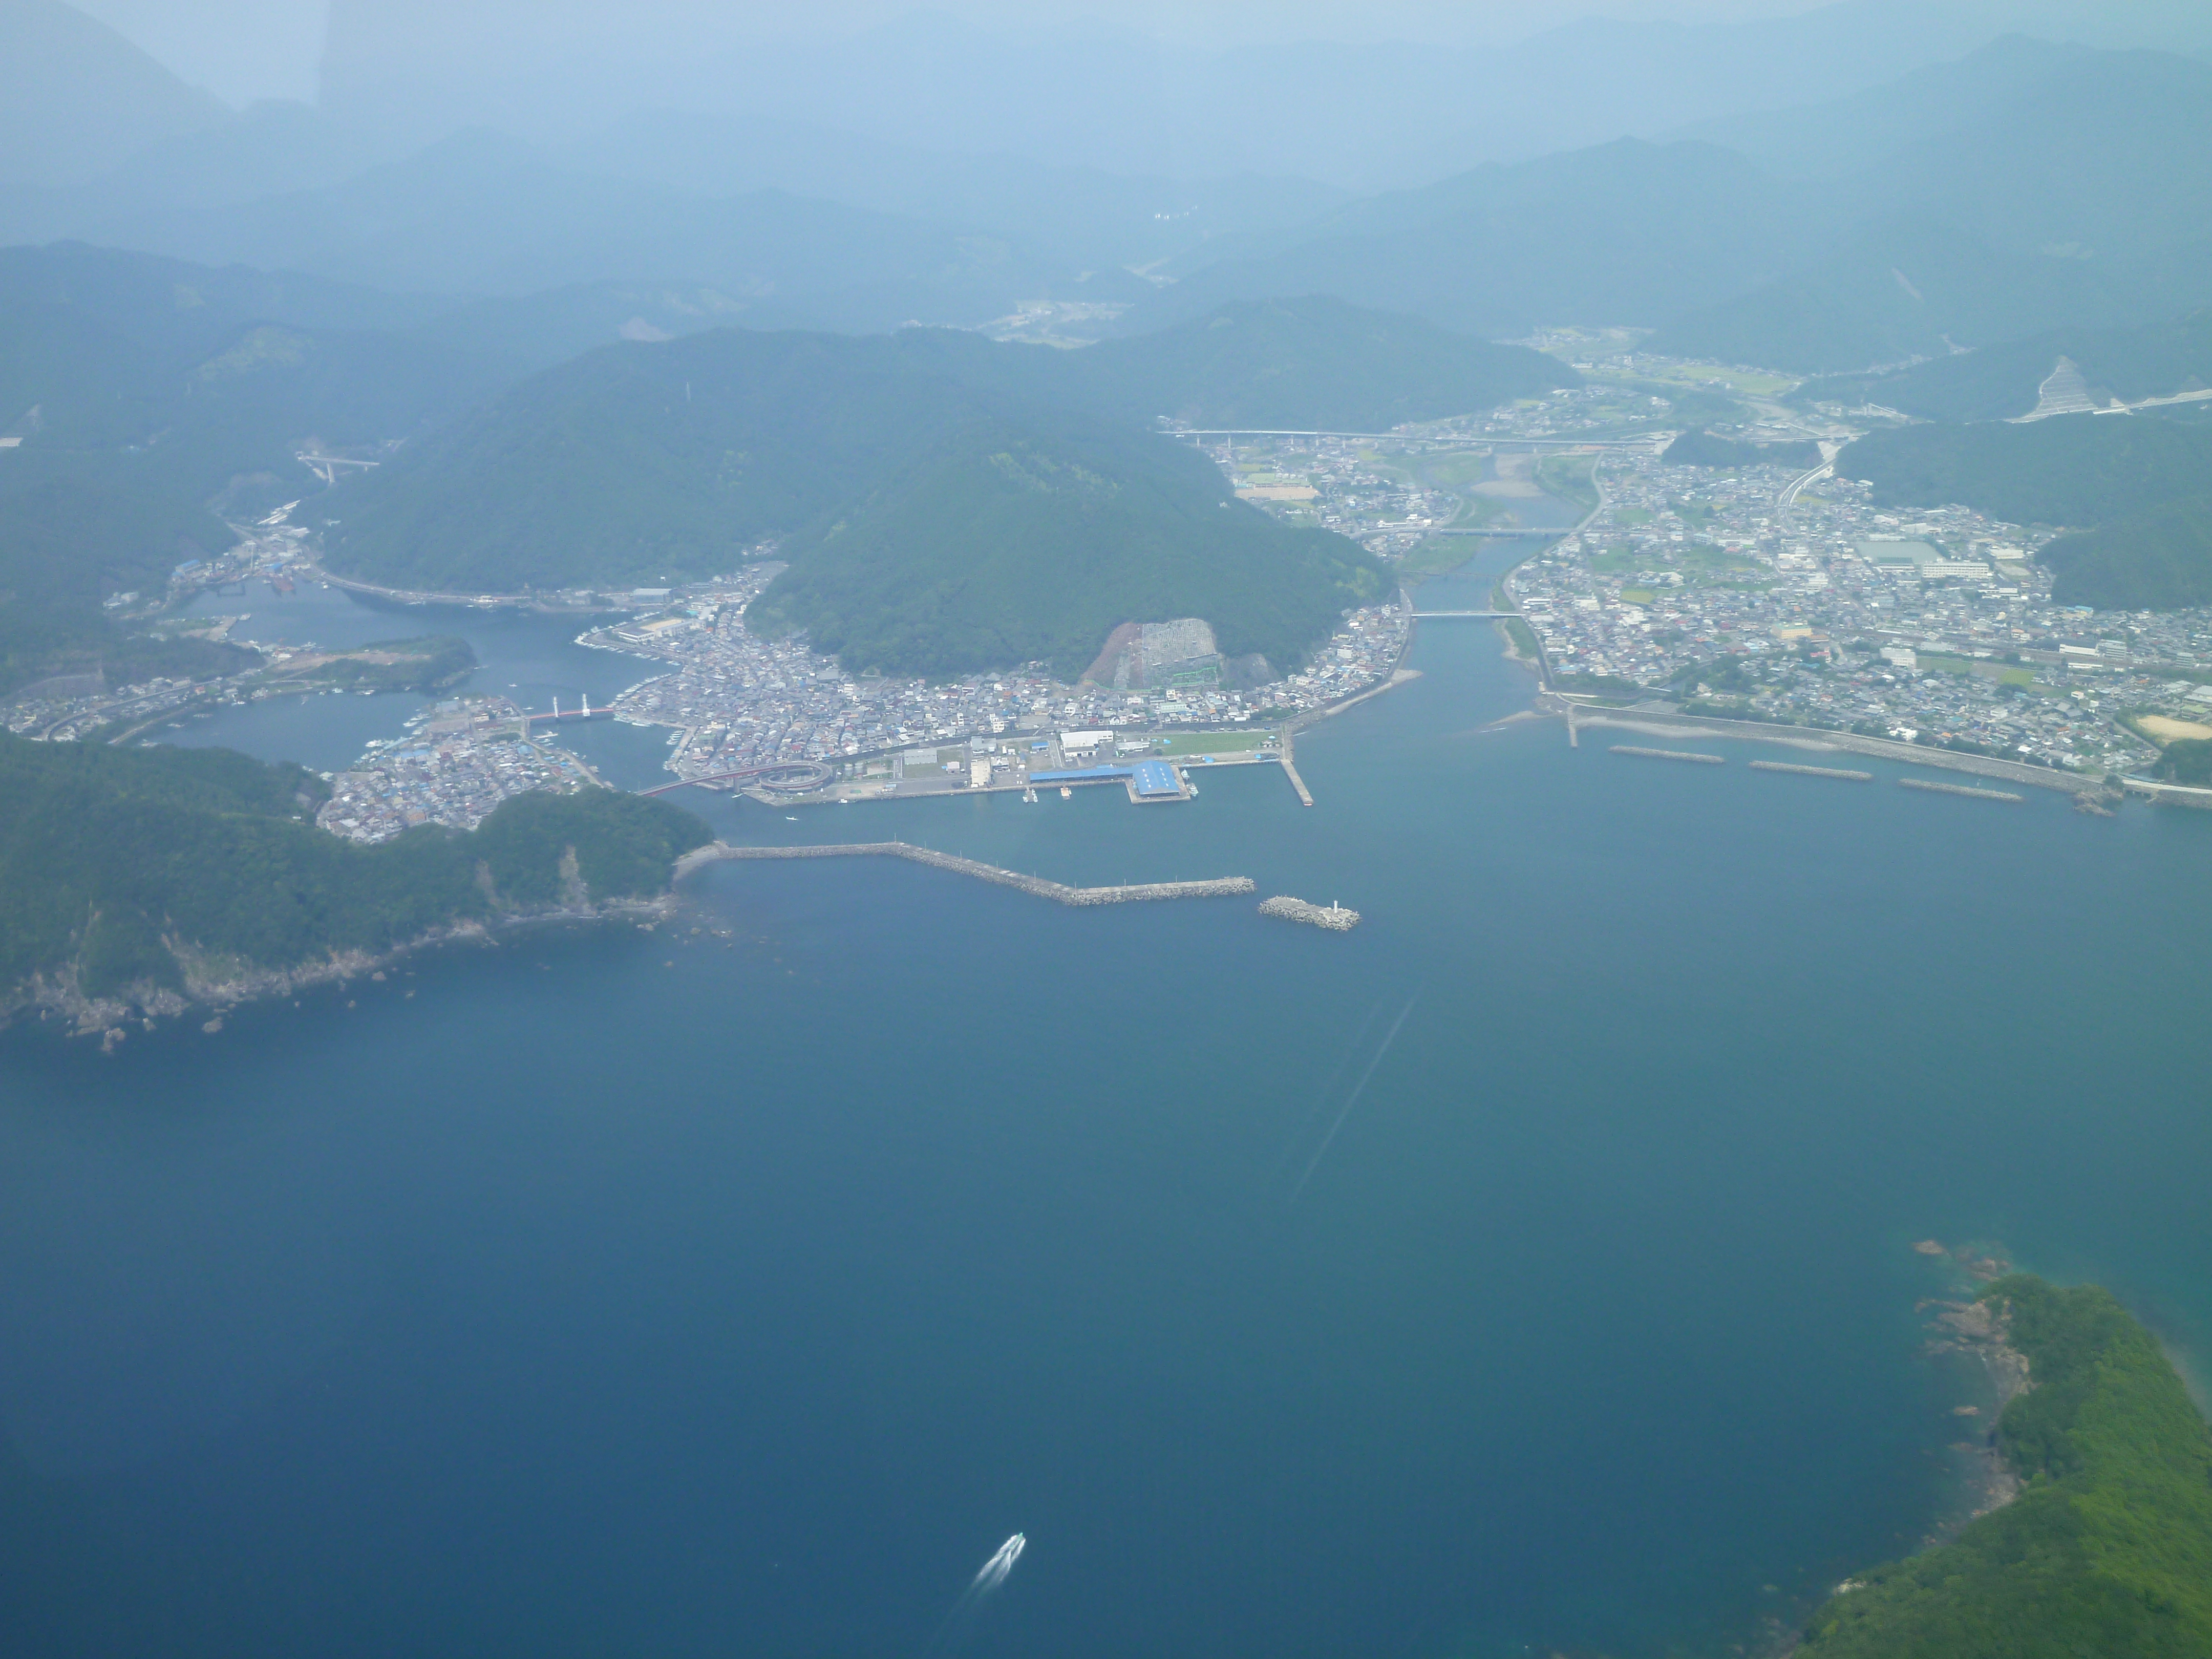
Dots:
pixel 1978 1330
pixel 219 985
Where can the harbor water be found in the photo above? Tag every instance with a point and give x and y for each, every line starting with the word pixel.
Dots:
pixel 1528 1267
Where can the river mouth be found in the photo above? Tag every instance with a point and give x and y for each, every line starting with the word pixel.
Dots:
pixel 1531 1265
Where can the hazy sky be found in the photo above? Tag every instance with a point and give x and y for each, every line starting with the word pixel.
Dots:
pixel 243 50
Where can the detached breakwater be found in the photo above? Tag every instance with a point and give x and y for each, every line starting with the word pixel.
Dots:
pixel 1812 771
pixel 1059 893
pixel 1669 754
pixel 1958 789
pixel 1332 917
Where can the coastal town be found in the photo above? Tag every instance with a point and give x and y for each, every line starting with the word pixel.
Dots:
pixel 1774 594
pixel 459 760
pixel 740 701
pixel 1756 595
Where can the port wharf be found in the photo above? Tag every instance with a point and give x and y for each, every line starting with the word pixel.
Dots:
pixel 1130 893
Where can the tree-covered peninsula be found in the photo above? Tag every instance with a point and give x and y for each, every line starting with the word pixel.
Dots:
pixel 2108 1549
pixel 158 877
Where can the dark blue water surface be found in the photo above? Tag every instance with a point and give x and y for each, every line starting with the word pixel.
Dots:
pixel 628 1292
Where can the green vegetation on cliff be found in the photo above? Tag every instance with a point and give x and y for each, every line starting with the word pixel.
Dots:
pixel 2107 1551
pixel 121 865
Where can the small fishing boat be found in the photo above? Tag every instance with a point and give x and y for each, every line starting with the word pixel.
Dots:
pixel 1030 794
pixel 1067 793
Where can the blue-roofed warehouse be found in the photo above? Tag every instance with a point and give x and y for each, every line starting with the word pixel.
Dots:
pixel 1155 779
pixel 1147 781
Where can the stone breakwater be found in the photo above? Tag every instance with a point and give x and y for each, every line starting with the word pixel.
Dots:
pixel 1958 789
pixel 1335 917
pixel 1818 737
pixel 1813 771
pixel 1669 754
pixel 1058 893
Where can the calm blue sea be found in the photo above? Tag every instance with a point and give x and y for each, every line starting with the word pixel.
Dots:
pixel 1530 1267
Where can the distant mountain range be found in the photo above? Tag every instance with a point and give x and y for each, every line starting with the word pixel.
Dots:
pixel 1359 114
pixel 2073 189
pixel 1910 201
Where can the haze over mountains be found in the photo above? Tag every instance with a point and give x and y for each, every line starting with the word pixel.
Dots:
pixel 1865 184
pixel 1862 184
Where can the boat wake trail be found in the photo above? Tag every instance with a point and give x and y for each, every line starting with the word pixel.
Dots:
pixel 1352 1099
pixel 960 1622
pixel 1320 1100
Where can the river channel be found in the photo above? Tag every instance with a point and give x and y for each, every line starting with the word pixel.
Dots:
pixel 1531 1266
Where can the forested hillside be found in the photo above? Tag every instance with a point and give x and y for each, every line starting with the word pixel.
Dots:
pixel 2108 1550
pixel 122 867
pixel 882 467
pixel 1702 448
pixel 1307 363
pixel 143 393
pixel 1023 541
pixel 2132 487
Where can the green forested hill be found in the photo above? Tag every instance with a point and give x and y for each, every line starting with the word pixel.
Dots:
pixel 1300 364
pixel 2075 470
pixel 109 856
pixel 1017 541
pixel 68 539
pixel 641 462
pixel 868 459
pixel 2107 1552
pixel 1702 448
pixel 2133 486
pixel 2160 559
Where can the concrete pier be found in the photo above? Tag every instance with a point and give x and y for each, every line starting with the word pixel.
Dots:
pixel 1290 771
pixel 1058 893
